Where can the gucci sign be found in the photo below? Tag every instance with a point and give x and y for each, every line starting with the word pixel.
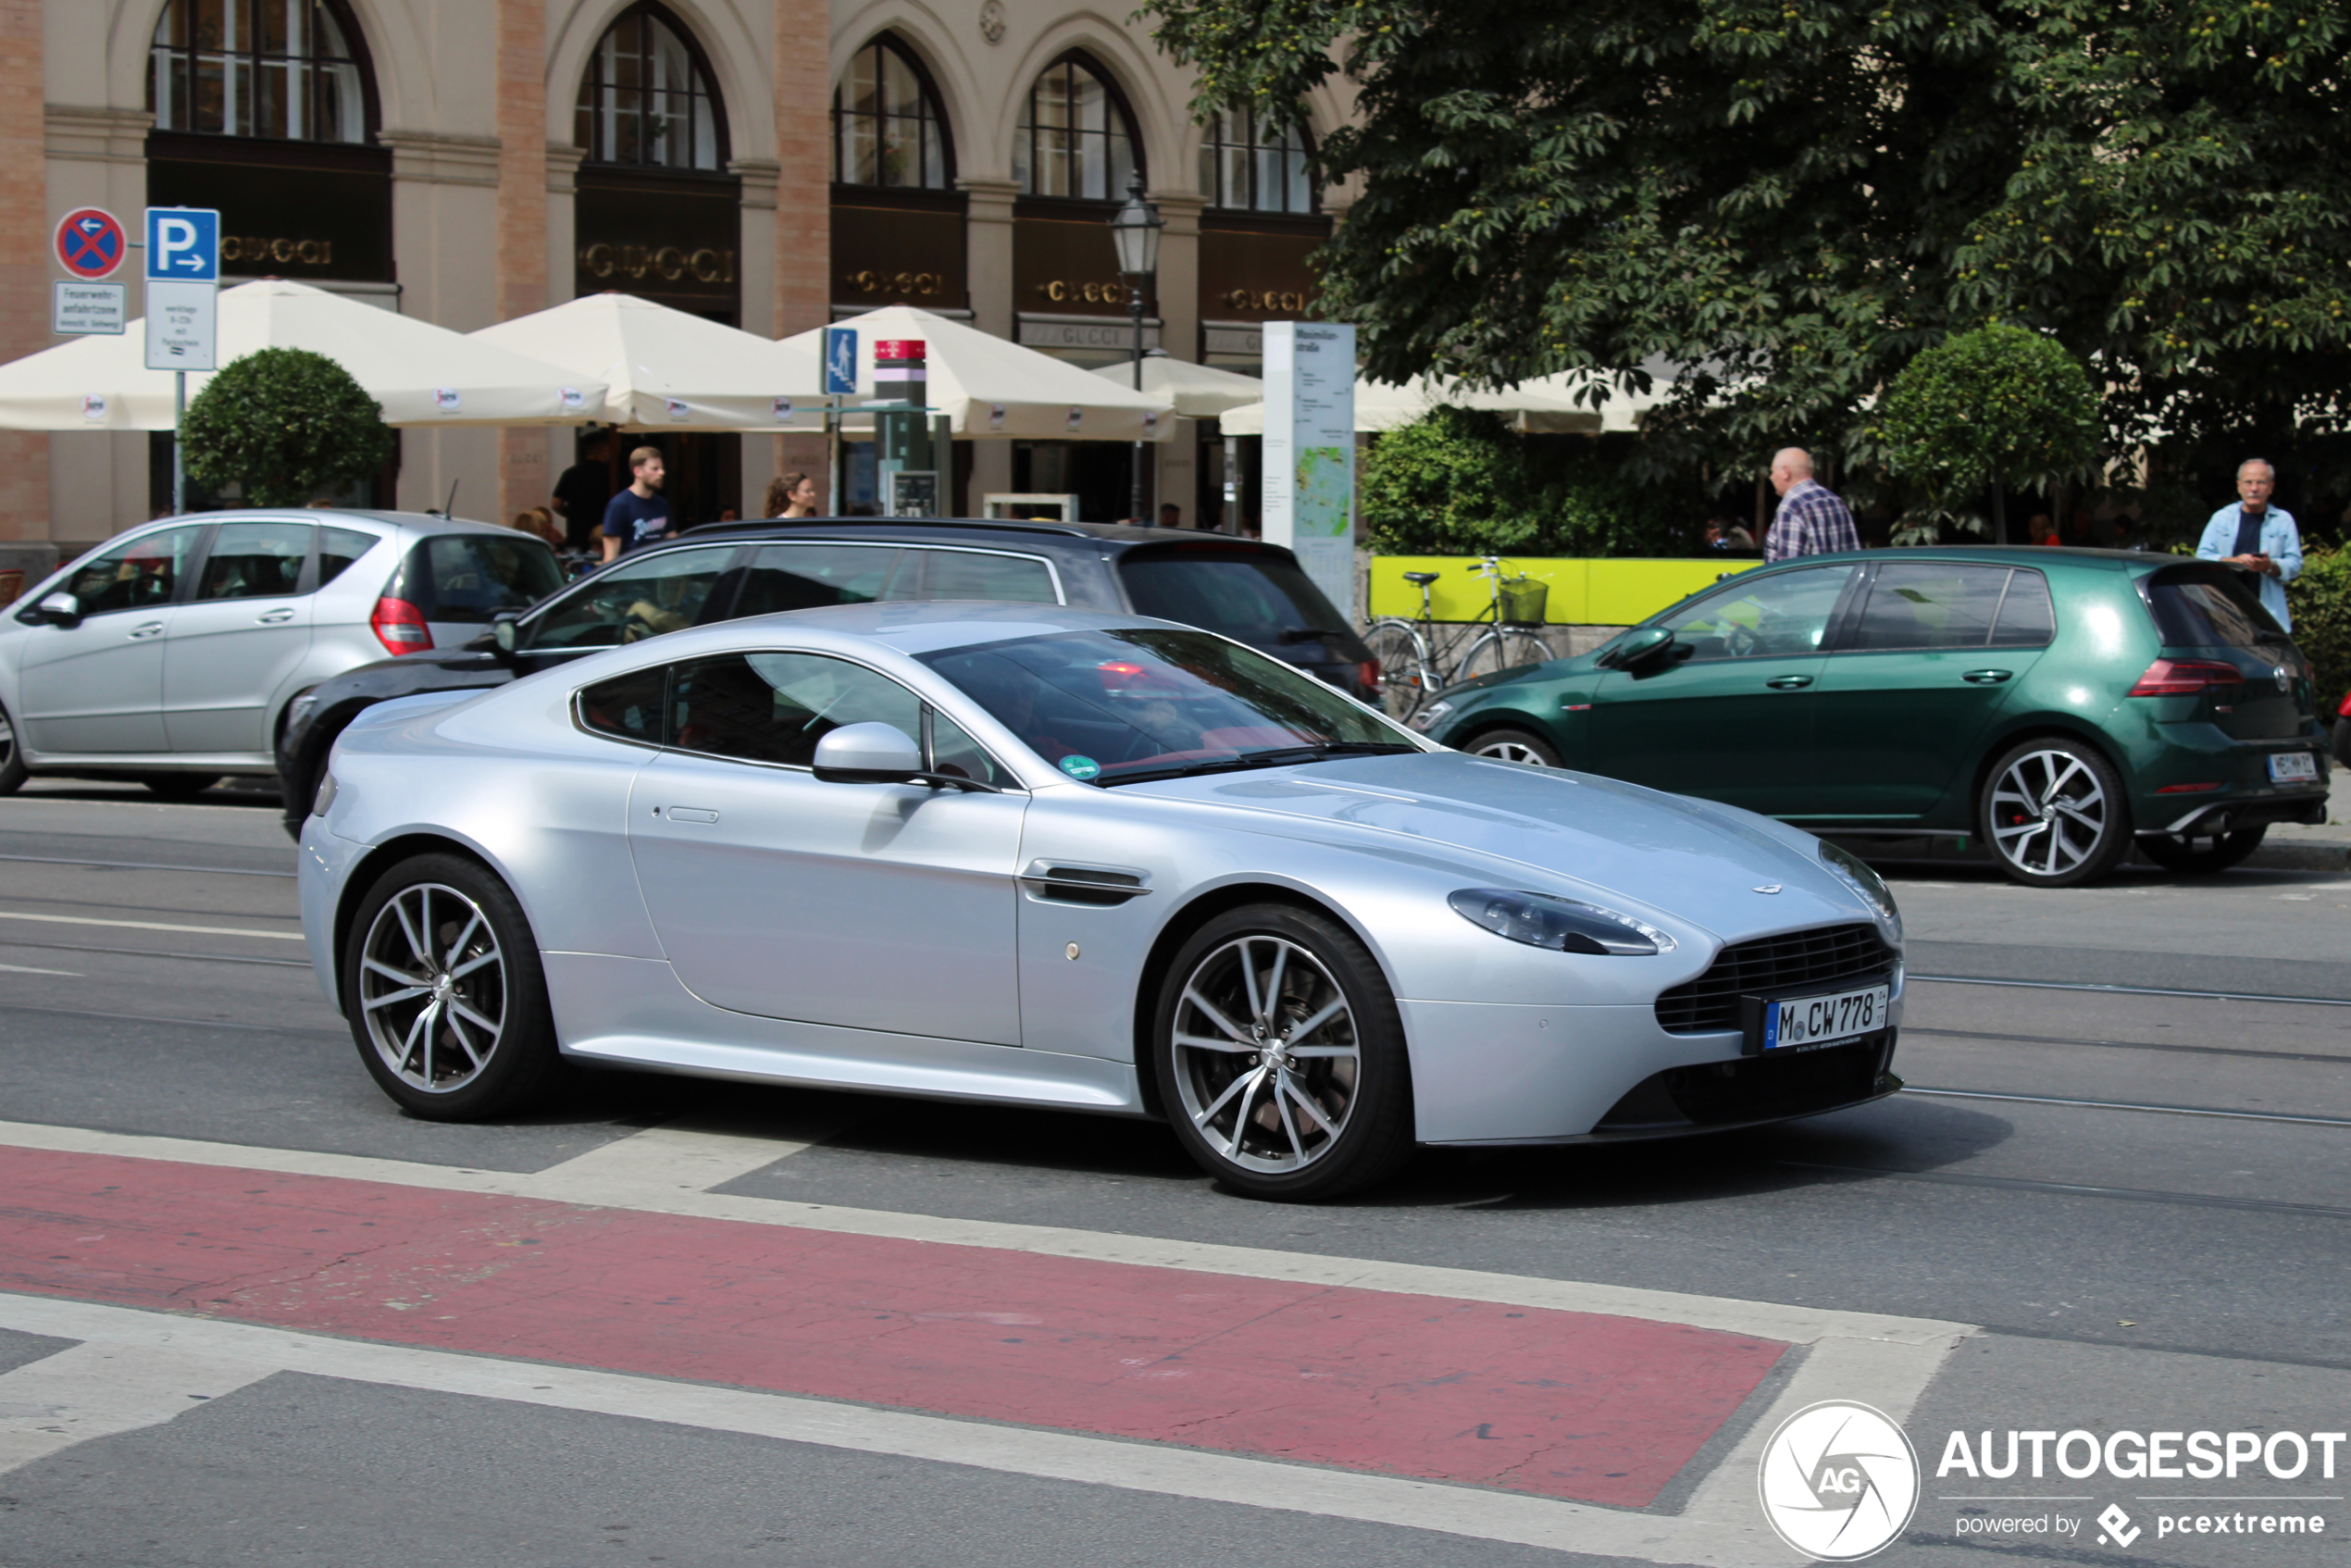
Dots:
pixel 1062 292
pixel 669 263
pixel 1268 299
pixel 288 253
pixel 872 282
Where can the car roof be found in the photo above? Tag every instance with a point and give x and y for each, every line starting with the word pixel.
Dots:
pixel 1036 533
pixel 1992 554
pixel 414 522
pixel 914 625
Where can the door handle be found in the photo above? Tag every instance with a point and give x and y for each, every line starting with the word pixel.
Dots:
pixel 153 628
pixel 1788 682
pixel 275 617
pixel 686 814
pixel 1984 677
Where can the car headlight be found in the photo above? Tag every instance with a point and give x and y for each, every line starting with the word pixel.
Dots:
pixel 1857 874
pixel 1562 925
pixel 1429 717
pixel 325 799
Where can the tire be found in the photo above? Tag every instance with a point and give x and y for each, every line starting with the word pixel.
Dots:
pixel 459 1031
pixel 2201 855
pixel 1514 745
pixel 179 786
pixel 2053 814
pixel 1392 643
pixel 13 772
pixel 1259 1135
pixel 1496 652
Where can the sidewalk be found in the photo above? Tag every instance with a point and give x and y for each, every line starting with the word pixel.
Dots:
pixel 2290 847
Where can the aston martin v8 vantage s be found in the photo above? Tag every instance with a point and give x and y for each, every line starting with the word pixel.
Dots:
pixel 1038 855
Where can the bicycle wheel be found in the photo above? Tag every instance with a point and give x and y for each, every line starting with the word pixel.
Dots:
pixel 1403 666
pixel 1496 650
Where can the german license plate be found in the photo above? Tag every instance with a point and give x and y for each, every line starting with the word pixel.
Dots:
pixel 2293 767
pixel 1816 1020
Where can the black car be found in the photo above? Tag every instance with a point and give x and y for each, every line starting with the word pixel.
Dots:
pixel 1252 592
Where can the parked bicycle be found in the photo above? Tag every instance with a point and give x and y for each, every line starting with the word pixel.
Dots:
pixel 1418 658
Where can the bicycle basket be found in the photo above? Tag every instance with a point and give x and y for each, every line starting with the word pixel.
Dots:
pixel 1524 601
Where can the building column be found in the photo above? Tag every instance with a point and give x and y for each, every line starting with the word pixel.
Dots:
pixel 25 269
pixel 98 481
pixel 1178 305
pixel 804 216
pixel 761 458
pixel 444 198
pixel 987 267
pixel 563 192
pixel 524 473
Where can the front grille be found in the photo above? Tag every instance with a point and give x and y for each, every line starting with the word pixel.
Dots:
pixel 1711 1003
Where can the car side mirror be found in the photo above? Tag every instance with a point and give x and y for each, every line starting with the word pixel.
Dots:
pixel 1638 647
pixel 502 630
pixel 60 609
pixel 868 754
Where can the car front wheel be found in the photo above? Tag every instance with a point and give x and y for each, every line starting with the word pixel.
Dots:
pixel 2053 814
pixel 1515 745
pixel 1280 1056
pixel 12 768
pixel 442 986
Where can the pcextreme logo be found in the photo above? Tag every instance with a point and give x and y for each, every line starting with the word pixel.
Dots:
pixel 1839 1481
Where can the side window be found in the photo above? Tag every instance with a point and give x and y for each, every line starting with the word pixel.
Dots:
pixel 957 755
pixel 803 576
pixel 255 561
pixel 774 707
pixel 1785 613
pixel 1933 604
pixel 962 573
pixel 634 601
pixel 338 549
pixel 142 575
pixel 627 707
pixel 2027 619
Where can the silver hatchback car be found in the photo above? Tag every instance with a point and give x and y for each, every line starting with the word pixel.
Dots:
pixel 171 654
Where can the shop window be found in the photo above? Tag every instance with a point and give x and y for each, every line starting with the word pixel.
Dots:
pixel 647 98
pixel 287 69
pixel 1248 165
pixel 887 126
pixel 1075 137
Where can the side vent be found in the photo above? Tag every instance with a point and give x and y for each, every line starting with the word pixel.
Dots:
pixel 1050 882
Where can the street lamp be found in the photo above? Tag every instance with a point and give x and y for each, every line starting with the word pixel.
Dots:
pixel 1134 228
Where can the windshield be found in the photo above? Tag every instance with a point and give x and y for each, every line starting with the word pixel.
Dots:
pixel 1116 706
pixel 471 576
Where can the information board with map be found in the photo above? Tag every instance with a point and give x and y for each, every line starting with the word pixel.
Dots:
pixel 1309 502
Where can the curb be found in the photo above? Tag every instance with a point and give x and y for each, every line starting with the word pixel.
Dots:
pixel 2313 855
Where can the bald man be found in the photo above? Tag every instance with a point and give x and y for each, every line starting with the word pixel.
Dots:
pixel 2257 535
pixel 1811 519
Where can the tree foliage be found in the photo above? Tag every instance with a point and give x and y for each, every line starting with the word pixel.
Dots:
pixel 285 423
pixel 2320 600
pixel 1459 482
pixel 1796 197
pixel 1996 405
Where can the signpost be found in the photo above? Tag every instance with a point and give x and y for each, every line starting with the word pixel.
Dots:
pixel 183 284
pixel 82 308
pixel 90 243
pixel 841 381
pixel 1309 481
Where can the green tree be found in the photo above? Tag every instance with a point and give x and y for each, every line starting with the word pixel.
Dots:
pixel 1459 482
pixel 1795 197
pixel 285 423
pixel 2320 600
pixel 1998 405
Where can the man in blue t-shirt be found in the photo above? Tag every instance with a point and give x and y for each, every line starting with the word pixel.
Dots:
pixel 638 514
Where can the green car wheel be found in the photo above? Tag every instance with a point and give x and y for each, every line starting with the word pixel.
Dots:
pixel 2054 814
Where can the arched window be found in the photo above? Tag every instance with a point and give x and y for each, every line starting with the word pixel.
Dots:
pixel 291 69
pixel 647 99
pixel 1075 137
pixel 887 126
pixel 1247 165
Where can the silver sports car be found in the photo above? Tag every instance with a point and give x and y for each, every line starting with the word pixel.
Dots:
pixel 1033 855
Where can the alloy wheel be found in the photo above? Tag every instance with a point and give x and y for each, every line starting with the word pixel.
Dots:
pixel 2049 813
pixel 432 987
pixel 1266 1056
pixel 1512 751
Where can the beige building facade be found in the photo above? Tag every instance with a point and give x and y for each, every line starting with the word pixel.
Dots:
pixel 772 164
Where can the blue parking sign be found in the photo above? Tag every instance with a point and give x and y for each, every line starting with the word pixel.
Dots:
pixel 840 361
pixel 183 243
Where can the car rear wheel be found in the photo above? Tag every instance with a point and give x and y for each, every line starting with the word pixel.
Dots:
pixel 442 986
pixel 2053 814
pixel 1514 745
pixel 1281 1059
pixel 12 768
pixel 179 786
pixel 2201 854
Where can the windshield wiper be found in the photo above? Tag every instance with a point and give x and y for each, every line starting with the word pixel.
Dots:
pixel 1281 756
pixel 1305 634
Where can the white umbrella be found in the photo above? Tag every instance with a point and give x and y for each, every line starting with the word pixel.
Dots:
pixel 989 388
pixel 1383 405
pixel 668 370
pixel 1199 391
pixel 419 373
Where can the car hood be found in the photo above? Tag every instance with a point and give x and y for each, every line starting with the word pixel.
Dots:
pixel 1699 860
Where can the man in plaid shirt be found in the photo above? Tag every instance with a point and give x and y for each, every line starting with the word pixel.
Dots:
pixel 1811 519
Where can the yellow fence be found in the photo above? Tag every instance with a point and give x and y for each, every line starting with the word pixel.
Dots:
pixel 1583 592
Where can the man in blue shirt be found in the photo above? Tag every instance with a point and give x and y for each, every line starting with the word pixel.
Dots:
pixel 2256 536
pixel 637 516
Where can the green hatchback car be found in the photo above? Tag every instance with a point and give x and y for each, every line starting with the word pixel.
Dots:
pixel 2053 705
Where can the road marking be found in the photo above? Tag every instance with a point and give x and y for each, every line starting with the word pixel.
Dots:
pixel 154 925
pixel 1707 1541
pixel 2129 991
pixel 97 1389
pixel 2125 1105
pixel 140 865
pixel 159 953
pixel 29 969
pixel 686 1155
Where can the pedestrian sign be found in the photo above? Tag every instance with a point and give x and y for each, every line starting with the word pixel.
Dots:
pixel 840 361
pixel 90 243
pixel 183 244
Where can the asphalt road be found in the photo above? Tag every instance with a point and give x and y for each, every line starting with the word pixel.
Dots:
pixel 2120 1162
